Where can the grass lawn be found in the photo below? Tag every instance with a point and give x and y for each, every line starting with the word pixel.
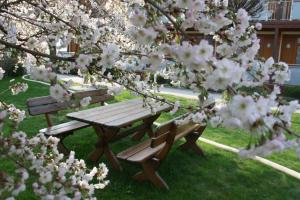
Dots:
pixel 223 175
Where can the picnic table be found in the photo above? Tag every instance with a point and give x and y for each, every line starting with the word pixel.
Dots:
pixel 108 121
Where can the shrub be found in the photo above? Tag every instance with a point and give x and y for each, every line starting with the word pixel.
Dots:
pixel 12 69
pixel 292 91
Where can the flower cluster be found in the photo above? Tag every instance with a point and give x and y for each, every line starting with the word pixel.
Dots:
pixel 15 115
pixel 59 93
pixel 276 144
pixel 43 74
pixel 3 115
pixel 18 87
pixel 58 178
pixel 1 73
pixel 85 101
pixel 110 54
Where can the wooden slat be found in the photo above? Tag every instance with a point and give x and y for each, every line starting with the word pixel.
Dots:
pixel 37 110
pixel 105 115
pixel 163 131
pixel 145 154
pixel 156 141
pixel 85 114
pixel 37 101
pixel 95 115
pixel 133 150
pixel 185 130
pixel 117 114
pixel 102 98
pixel 164 128
pixel 90 93
pixel 47 104
pixel 132 118
pixel 59 126
pixel 63 128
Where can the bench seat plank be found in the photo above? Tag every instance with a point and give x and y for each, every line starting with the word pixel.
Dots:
pixel 64 128
pixel 124 155
pixel 185 130
pixel 145 154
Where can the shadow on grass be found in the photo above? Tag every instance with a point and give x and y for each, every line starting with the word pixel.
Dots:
pixel 222 175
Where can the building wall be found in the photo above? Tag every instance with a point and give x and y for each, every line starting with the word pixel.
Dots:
pixel 283 45
pixel 280 36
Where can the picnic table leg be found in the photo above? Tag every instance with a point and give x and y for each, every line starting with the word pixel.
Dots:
pixel 148 123
pixel 102 146
pixel 191 141
pixel 97 153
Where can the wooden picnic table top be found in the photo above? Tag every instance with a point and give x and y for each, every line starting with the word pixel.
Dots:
pixel 118 114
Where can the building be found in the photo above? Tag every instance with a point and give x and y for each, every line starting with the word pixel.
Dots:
pixel 280 36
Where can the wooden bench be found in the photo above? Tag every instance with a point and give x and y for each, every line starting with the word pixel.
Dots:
pixel 153 151
pixel 47 105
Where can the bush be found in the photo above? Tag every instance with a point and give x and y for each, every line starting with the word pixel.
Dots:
pixel 9 64
pixel 292 91
pixel 162 80
pixel 289 91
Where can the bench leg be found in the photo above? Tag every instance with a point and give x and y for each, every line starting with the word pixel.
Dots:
pixel 191 143
pixel 61 146
pixel 140 176
pixel 149 173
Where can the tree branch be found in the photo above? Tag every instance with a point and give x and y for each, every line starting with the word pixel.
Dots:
pixel 52 15
pixel 176 26
pixel 35 53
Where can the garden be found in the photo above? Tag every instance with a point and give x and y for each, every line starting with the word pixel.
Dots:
pixel 119 136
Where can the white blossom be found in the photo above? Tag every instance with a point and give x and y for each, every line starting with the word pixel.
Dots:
pixel 176 107
pixel 138 18
pixel 18 88
pixel 205 50
pixel 59 93
pixel 1 73
pixel 83 60
pixel 85 101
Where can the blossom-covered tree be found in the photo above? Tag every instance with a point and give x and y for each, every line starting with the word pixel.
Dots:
pixel 253 7
pixel 124 43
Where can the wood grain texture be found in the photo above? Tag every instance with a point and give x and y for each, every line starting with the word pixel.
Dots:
pixel 63 128
pixel 46 104
pixel 150 153
pixel 118 114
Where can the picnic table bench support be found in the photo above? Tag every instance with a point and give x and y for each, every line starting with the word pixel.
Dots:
pixel 150 173
pixel 61 146
pixel 191 142
pixel 148 122
pixel 105 135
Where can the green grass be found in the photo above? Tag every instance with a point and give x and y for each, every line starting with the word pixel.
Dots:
pixel 223 175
